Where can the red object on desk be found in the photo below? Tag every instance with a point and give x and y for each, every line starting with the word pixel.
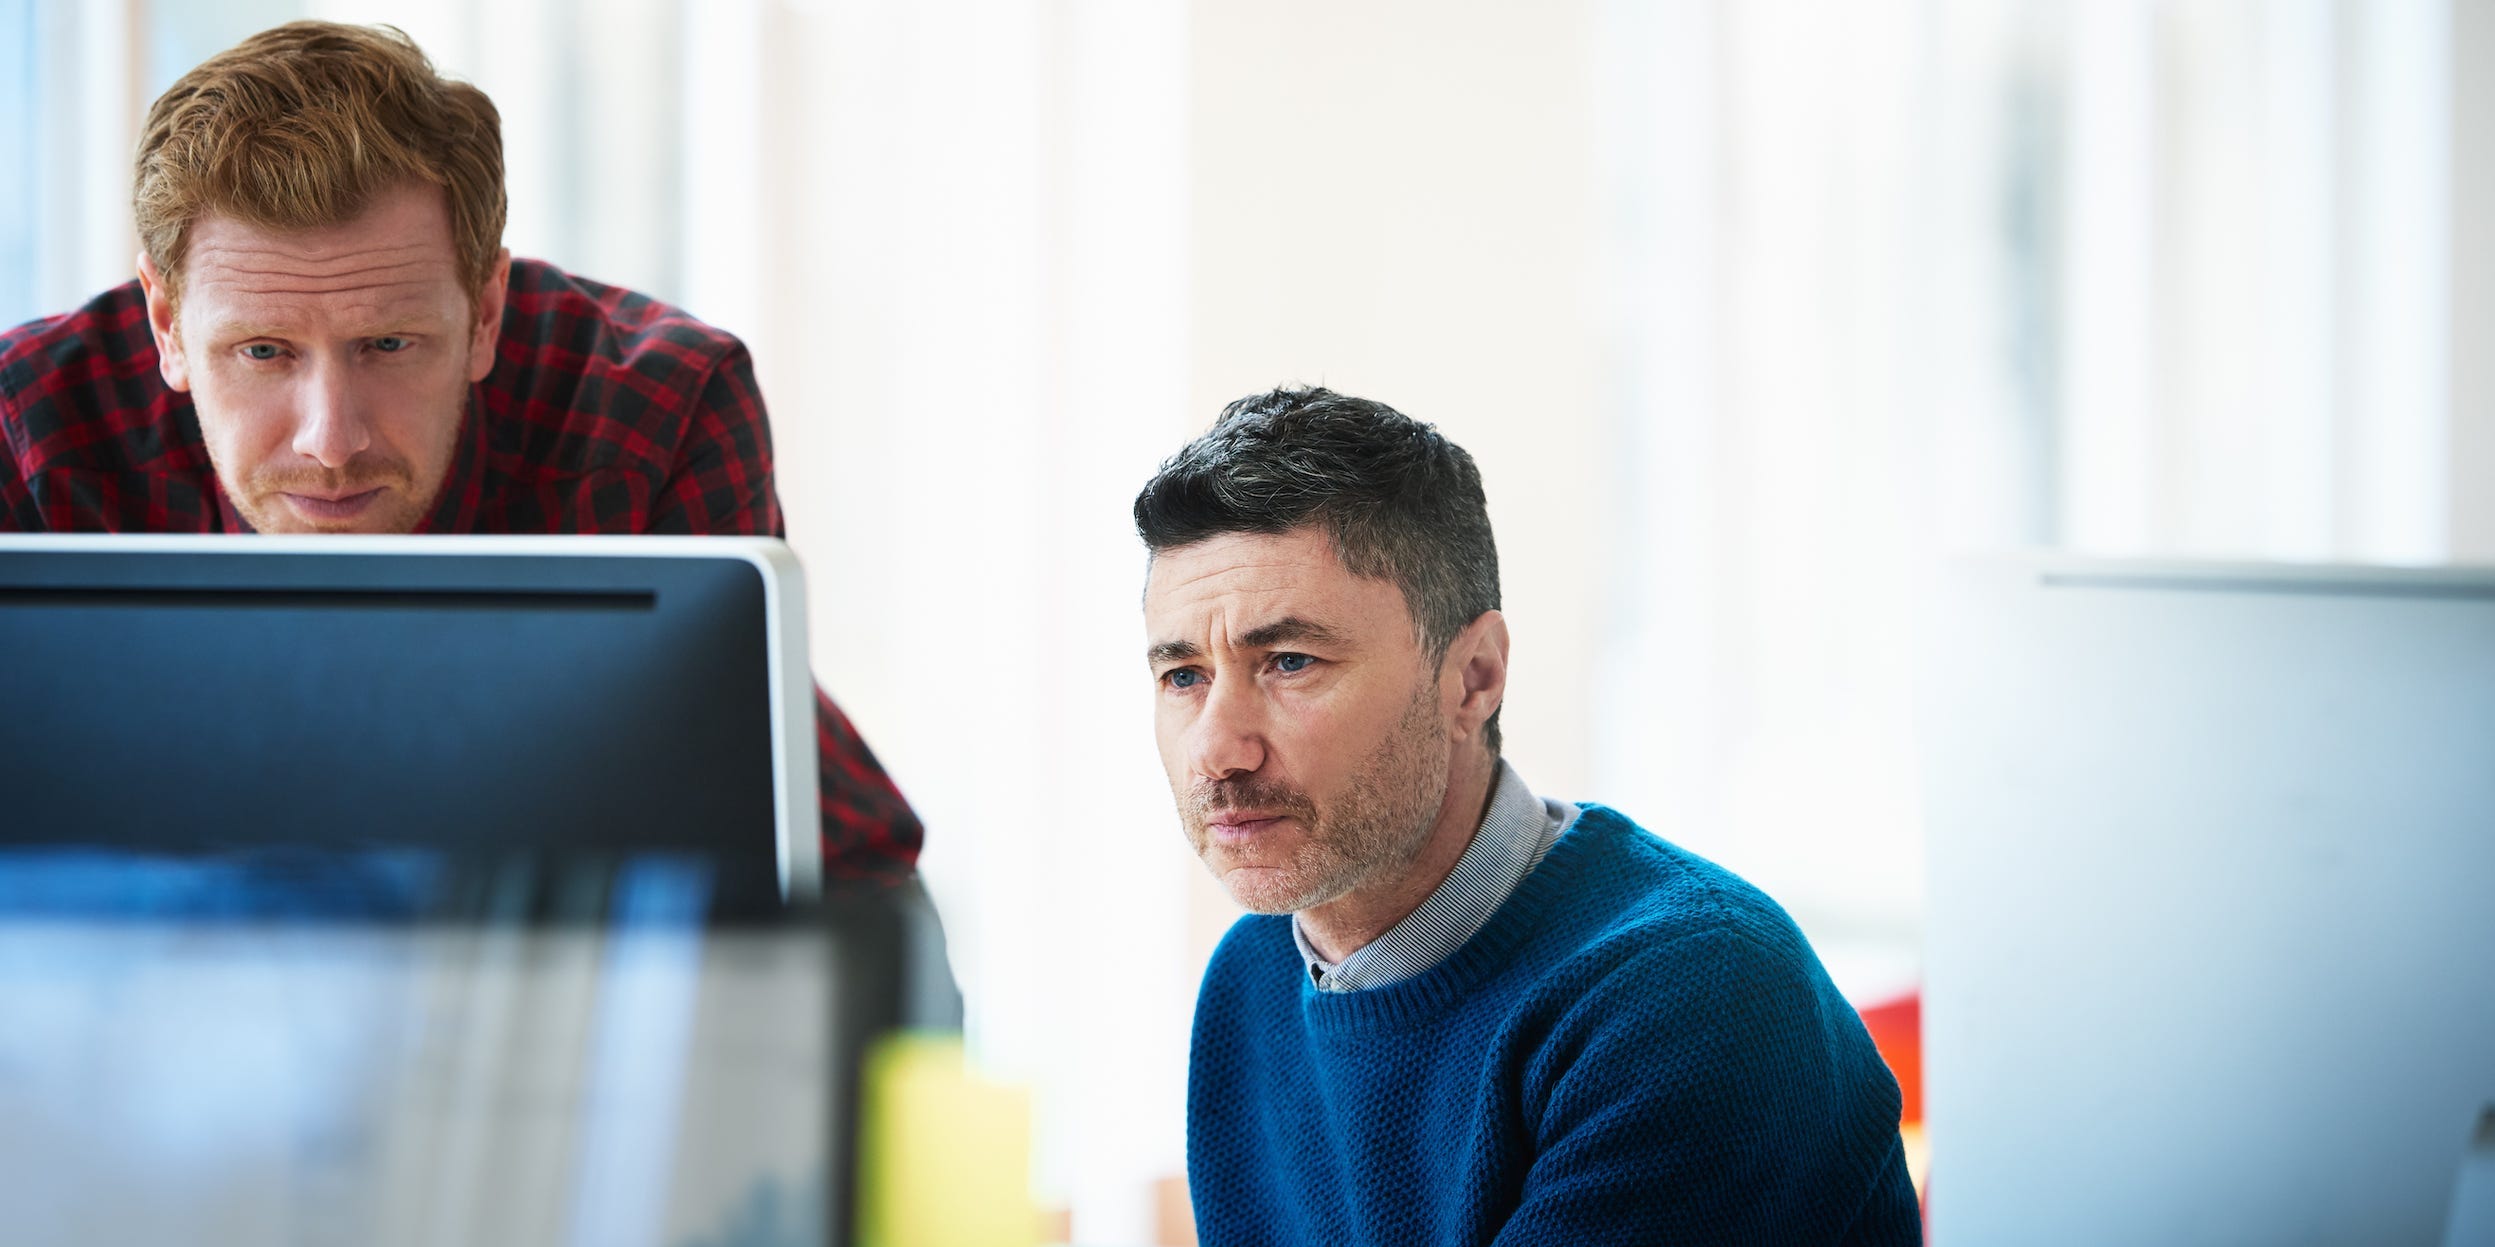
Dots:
pixel 1896 1028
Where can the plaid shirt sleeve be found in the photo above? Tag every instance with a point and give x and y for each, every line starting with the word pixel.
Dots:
pixel 17 507
pixel 721 484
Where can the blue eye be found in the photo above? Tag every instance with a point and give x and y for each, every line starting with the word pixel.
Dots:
pixel 391 344
pixel 262 352
pixel 1183 677
pixel 1289 664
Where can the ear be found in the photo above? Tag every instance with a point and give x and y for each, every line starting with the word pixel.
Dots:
pixel 487 331
pixel 163 323
pixel 1472 679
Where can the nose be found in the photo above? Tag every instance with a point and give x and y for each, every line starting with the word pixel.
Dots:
pixel 1228 735
pixel 333 430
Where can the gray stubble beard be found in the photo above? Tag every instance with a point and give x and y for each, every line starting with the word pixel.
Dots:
pixel 1379 828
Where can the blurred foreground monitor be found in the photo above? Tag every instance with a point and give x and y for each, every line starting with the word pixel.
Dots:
pixel 407 1047
pixel 2210 935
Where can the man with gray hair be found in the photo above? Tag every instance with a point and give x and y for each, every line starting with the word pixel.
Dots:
pixel 1458 1012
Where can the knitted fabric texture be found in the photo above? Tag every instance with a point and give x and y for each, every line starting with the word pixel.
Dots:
pixel 1638 1048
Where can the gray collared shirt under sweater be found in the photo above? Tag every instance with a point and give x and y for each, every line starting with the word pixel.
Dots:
pixel 1515 832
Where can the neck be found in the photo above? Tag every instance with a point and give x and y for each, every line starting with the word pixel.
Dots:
pixel 1347 924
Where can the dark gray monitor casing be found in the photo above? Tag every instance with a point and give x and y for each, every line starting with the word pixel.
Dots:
pixel 452 693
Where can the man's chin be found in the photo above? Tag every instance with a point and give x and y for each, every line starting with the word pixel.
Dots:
pixel 381 511
pixel 1277 889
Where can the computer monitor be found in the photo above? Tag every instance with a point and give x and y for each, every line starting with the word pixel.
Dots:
pixel 410 1049
pixel 633 694
pixel 2210 933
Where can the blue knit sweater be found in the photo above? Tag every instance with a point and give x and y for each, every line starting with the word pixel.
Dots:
pixel 1638 1048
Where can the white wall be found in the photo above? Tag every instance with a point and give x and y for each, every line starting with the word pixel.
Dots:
pixel 2471 465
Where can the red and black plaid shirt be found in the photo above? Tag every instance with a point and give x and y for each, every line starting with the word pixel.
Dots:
pixel 606 412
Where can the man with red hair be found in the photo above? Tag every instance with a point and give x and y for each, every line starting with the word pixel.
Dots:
pixel 327 335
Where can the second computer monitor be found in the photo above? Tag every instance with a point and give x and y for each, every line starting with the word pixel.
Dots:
pixel 2210 945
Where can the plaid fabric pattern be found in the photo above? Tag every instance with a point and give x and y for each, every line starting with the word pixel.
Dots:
pixel 606 412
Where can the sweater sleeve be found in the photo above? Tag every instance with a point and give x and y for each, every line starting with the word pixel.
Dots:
pixel 1713 1089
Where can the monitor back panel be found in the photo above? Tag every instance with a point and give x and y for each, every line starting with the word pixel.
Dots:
pixel 162 698
pixel 2211 920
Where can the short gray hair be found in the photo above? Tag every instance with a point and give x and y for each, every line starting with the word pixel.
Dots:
pixel 1397 499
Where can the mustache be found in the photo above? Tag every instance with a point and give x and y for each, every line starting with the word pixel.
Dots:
pixel 1249 793
pixel 357 476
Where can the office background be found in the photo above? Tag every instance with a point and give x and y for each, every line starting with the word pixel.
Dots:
pixel 1750 310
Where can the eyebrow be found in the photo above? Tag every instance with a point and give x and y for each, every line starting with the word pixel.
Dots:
pixel 226 330
pixel 402 318
pixel 1283 631
pixel 1287 629
pixel 1172 651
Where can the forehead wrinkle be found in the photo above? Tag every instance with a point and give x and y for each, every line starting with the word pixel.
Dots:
pixel 359 308
pixel 305 247
pixel 309 245
pixel 413 276
pixel 240 295
pixel 363 302
pixel 1232 569
pixel 381 303
pixel 1247 584
pixel 232 258
pixel 411 267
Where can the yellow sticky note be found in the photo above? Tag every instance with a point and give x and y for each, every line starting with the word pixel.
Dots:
pixel 945 1156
